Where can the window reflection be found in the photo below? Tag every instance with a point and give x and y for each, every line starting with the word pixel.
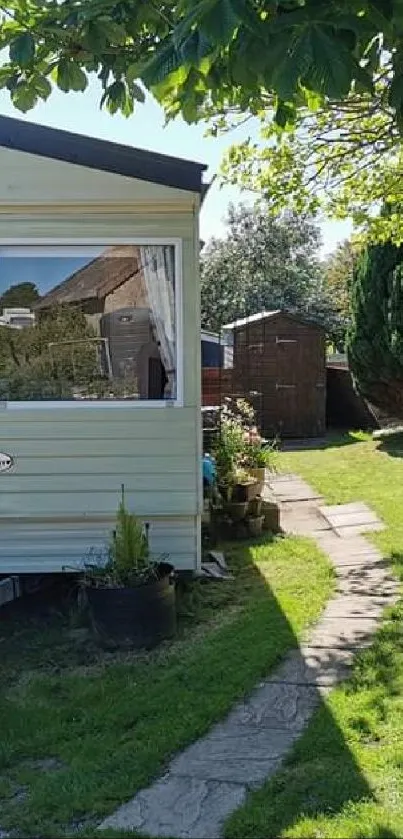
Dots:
pixel 87 323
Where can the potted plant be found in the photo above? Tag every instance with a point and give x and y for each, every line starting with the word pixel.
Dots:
pixel 258 458
pixel 246 486
pixel 255 506
pixel 227 455
pixel 236 510
pixel 131 595
pixel 240 459
pixel 255 525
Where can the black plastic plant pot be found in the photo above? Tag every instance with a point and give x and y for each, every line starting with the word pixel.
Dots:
pixel 135 618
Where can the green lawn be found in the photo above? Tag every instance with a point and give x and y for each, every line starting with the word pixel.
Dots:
pixel 82 731
pixel 345 776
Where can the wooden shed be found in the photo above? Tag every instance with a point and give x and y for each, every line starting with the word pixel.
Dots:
pixel 279 365
pixel 100 384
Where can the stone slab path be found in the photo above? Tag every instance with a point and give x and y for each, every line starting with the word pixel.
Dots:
pixel 209 780
pixel 351 519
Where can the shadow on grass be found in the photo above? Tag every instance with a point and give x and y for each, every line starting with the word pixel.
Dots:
pixel 320 780
pixel 320 777
pixel 113 721
pixel 320 787
pixel 115 728
pixel 334 439
pixel 392 445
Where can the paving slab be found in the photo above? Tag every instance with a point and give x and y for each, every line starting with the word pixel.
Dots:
pixel 354 530
pixel 337 548
pixel 252 772
pixel 276 706
pixel 348 520
pixel 295 493
pixel 304 519
pixel 336 509
pixel 307 667
pixel 302 527
pixel 184 808
pixel 358 607
pixel 292 488
pixel 360 561
pixel 336 633
pixel 357 516
pixel 378 585
pixel 236 753
pixel 357 543
pixel 210 779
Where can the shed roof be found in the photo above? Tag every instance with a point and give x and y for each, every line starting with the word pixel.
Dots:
pixel 266 315
pixel 97 279
pixel 213 337
pixel 102 155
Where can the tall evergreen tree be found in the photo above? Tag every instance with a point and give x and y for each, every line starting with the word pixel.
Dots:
pixel 375 337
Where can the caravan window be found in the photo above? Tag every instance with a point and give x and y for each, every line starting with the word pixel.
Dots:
pixel 89 323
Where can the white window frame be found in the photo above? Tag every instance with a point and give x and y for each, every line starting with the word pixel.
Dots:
pixel 109 403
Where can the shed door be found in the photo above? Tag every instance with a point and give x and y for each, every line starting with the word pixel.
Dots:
pixel 299 386
pixel 300 410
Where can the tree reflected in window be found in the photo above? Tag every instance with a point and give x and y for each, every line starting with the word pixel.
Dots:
pixel 85 323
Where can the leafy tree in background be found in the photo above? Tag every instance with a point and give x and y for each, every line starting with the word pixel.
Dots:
pixel 338 271
pixel 375 337
pixel 198 54
pixel 22 294
pixel 342 161
pixel 261 264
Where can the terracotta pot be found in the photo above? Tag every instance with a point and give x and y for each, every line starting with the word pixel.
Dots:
pixel 255 507
pixel 255 525
pixel 245 492
pixel 271 516
pixel 260 476
pixel 237 510
pixel 258 472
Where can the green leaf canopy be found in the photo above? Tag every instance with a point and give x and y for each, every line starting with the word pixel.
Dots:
pixel 208 54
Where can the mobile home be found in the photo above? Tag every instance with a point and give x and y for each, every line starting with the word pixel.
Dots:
pixel 100 244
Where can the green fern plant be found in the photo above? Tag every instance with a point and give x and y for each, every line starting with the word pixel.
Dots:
pixel 129 550
pixel 128 561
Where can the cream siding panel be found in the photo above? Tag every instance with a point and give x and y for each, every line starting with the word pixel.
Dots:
pixel 105 465
pixel 27 178
pixel 66 546
pixel 91 424
pixel 135 482
pixel 145 450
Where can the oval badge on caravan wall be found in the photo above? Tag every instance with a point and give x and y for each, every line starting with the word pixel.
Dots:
pixel 6 462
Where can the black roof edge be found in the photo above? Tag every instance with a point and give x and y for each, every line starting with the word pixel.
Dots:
pixel 204 189
pixel 102 155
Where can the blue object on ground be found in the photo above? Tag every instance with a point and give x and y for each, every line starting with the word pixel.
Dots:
pixel 209 470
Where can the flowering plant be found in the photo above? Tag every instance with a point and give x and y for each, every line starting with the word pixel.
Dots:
pixel 240 445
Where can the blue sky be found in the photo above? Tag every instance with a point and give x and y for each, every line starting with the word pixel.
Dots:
pixel 44 272
pixel 145 129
